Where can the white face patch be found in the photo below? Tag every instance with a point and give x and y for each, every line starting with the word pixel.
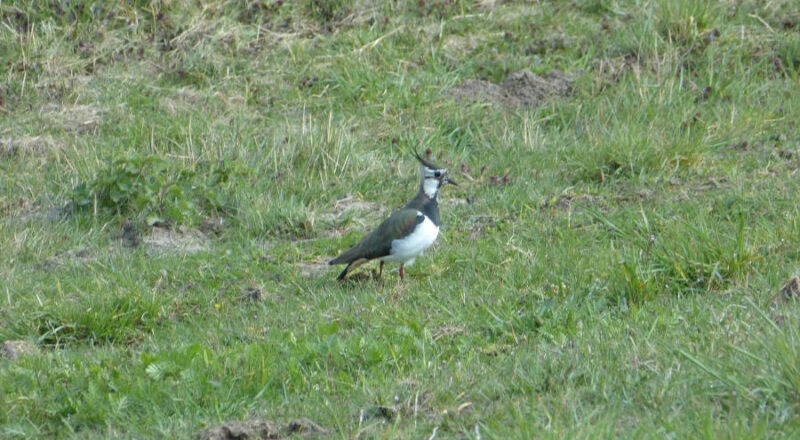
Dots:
pixel 431 187
pixel 431 180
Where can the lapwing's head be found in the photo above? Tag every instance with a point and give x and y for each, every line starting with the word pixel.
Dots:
pixel 433 177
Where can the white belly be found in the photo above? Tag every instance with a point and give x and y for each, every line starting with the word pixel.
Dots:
pixel 410 247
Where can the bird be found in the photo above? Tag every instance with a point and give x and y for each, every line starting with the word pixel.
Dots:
pixel 407 233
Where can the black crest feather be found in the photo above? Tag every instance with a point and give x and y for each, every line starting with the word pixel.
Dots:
pixel 427 163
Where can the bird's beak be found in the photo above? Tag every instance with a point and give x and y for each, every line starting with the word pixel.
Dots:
pixel 451 181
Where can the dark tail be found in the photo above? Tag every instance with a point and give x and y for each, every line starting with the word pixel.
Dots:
pixel 342 275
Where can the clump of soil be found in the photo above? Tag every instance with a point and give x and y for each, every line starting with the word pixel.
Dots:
pixel 13 350
pixel 477 90
pixel 262 429
pixel 253 429
pixel 520 89
pixel 77 255
pixel 162 240
pixel 790 293
pixel 792 288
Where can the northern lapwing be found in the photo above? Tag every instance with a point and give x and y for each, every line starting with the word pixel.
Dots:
pixel 405 234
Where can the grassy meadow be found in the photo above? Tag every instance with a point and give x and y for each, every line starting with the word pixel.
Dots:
pixel 175 176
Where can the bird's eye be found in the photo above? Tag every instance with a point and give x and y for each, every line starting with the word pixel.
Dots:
pixel 437 173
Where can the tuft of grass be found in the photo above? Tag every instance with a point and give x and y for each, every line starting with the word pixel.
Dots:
pixel 148 187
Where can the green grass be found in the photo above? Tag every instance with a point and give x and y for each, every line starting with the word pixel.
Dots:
pixel 624 280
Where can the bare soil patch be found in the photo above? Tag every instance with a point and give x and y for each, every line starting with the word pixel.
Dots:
pixel 13 350
pixel 76 119
pixel 262 429
pixel 162 240
pixel 350 203
pixel 187 99
pixel 520 89
pixel 371 213
pixel 792 288
pixel 78 255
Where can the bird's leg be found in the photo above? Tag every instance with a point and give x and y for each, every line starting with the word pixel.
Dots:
pixel 380 270
pixel 402 273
